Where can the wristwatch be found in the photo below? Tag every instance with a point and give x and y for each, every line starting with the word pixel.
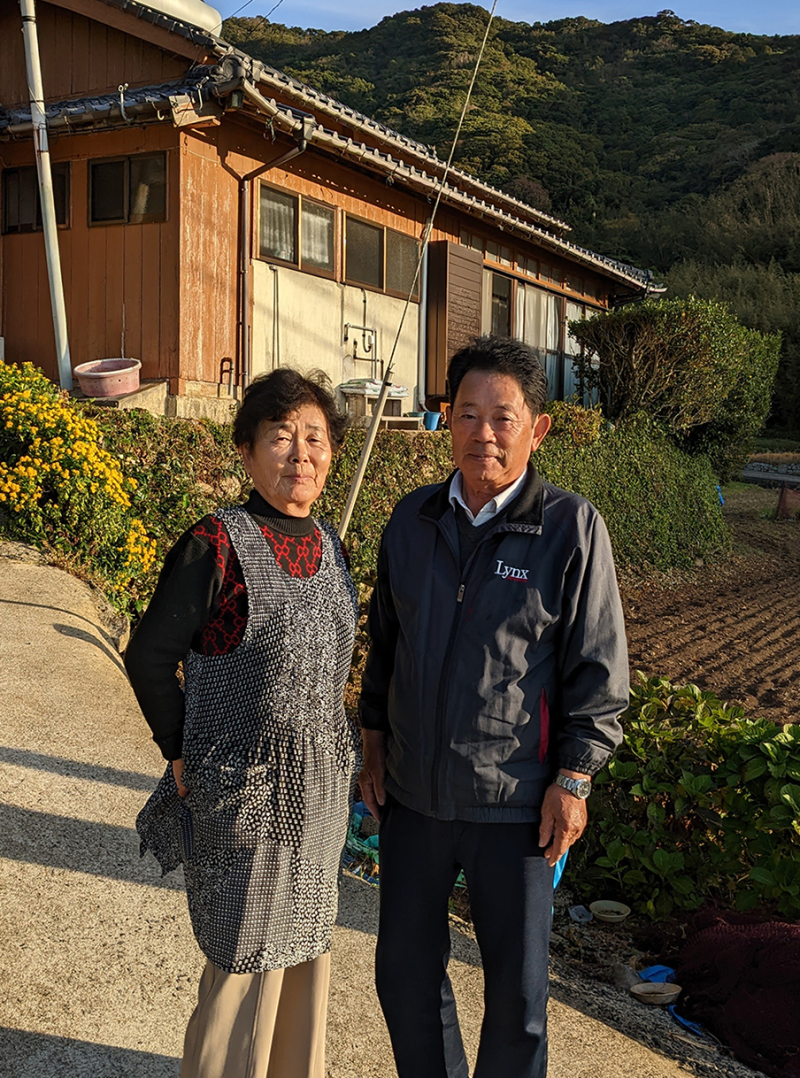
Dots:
pixel 578 787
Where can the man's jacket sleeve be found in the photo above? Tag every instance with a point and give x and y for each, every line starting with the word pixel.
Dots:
pixel 593 660
pixel 382 627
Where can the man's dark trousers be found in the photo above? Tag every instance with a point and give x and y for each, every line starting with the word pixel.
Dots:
pixel 511 896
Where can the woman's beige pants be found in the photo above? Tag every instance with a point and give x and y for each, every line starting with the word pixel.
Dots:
pixel 259 1025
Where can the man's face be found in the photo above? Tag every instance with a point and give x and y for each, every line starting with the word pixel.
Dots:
pixel 493 431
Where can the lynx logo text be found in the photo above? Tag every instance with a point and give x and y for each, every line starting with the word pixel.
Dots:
pixel 510 572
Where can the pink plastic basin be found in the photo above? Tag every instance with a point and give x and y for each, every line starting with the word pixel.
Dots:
pixel 108 377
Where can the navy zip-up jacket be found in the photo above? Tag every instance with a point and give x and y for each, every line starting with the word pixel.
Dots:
pixel 487 681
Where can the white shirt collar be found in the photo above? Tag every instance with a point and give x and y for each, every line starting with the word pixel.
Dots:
pixel 492 507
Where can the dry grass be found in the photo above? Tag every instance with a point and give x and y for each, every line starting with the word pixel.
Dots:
pixel 775 458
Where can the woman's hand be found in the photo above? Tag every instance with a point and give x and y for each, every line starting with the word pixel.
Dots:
pixel 177 774
pixel 374 771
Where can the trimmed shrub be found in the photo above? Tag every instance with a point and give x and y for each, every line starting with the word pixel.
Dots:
pixel 700 804
pixel 690 365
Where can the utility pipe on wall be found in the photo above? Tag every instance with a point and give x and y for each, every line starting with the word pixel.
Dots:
pixel 47 198
pixel 245 244
pixel 422 332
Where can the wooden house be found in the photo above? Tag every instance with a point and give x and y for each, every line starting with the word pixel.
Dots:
pixel 218 219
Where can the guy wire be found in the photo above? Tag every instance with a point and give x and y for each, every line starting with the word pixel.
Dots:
pixel 358 478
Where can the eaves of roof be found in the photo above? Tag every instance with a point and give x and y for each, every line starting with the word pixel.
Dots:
pixel 396 170
pixel 127 106
pixel 195 93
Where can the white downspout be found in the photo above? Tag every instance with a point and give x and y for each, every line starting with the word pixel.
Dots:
pixel 36 92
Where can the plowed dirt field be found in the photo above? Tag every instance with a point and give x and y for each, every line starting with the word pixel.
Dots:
pixel 733 628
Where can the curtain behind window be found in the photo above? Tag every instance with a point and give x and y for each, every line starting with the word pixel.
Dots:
pixel 317 243
pixel 278 225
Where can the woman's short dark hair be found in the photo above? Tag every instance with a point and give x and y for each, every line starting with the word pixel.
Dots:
pixel 278 395
pixel 501 355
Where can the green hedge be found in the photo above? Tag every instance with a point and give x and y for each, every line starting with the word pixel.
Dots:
pixel 660 504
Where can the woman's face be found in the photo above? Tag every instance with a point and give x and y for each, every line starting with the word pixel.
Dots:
pixel 289 460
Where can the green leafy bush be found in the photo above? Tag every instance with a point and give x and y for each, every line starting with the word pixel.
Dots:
pixel 690 365
pixel 700 804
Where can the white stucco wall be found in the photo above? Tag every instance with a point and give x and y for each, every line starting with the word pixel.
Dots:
pixel 309 330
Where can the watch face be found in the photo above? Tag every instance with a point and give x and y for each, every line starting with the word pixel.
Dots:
pixel 584 788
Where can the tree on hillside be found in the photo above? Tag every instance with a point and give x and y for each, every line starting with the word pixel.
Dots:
pixel 688 364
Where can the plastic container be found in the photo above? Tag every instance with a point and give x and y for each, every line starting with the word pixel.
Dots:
pixel 612 913
pixel 108 377
pixel 655 993
pixel 431 420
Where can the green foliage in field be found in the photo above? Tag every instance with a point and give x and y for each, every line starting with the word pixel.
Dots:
pixel 699 805
pixel 690 365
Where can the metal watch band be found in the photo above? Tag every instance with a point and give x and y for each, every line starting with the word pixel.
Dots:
pixel 578 787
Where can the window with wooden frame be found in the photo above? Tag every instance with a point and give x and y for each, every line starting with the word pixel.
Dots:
pixel 22 211
pixel 297 231
pixel 128 190
pixel 380 258
pixel 469 239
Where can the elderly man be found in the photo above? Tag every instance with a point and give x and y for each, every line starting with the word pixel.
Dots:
pixel 491 695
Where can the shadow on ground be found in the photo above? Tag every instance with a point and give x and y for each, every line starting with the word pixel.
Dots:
pixel 23 1054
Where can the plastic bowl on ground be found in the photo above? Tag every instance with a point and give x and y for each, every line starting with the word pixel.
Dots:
pixel 658 993
pixel 108 377
pixel 612 913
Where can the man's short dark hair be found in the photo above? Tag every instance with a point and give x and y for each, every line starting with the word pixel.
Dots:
pixel 281 393
pixel 501 355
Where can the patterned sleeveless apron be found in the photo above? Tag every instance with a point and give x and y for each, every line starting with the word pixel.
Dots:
pixel 269 757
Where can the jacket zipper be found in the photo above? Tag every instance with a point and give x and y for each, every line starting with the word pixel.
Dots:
pixel 441 698
pixel 444 681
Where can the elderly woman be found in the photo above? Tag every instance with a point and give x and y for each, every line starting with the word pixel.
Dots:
pixel 257 602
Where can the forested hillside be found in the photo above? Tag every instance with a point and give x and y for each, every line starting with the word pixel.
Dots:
pixel 664 142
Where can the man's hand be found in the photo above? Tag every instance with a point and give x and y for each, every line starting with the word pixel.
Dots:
pixel 373 773
pixel 564 818
pixel 177 774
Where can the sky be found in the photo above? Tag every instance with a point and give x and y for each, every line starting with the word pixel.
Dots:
pixel 748 16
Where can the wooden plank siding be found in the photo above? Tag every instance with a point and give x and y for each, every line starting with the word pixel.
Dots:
pixel 107 269
pixel 79 56
pixel 454 307
pixel 209 213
